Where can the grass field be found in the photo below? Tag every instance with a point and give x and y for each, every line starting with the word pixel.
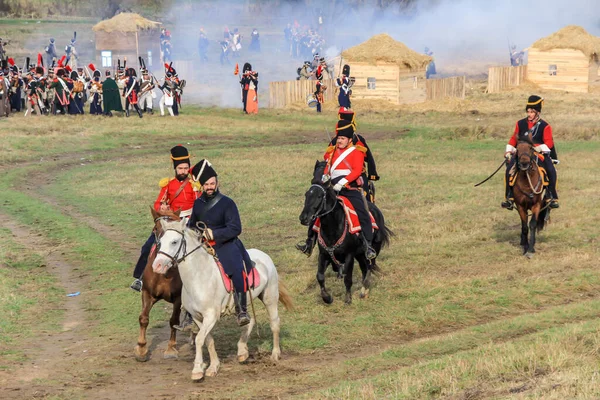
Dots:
pixel 458 312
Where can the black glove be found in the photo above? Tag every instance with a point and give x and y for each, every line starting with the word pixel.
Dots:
pixel 374 177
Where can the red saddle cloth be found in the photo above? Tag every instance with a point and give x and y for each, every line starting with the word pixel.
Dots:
pixel 253 279
pixel 351 217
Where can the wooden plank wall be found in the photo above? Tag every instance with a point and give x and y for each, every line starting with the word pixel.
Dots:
pixel 446 87
pixel 387 79
pixel 572 69
pixel 412 87
pixel 500 78
pixel 282 94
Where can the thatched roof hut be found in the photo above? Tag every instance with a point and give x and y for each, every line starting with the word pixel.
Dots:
pixel 125 22
pixel 565 60
pixel 384 68
pixel 127 36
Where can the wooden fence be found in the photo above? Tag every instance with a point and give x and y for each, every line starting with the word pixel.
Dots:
pixel 282 94
pixel 500 78
pixel 446 87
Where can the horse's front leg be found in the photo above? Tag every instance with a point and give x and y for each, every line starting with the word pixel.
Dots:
pixel 141 350
pixel 365 268
pixel 535 211
pixel 524 229
pixel 322 267
pixel 171 351
pixel 215 363
pixel 206 324
pixel 349 268
pixel 243 353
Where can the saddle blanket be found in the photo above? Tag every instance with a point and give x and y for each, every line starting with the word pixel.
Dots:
pixel 252 280
pixel 351 218
pixel 543 174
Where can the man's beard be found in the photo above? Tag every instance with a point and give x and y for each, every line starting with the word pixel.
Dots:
pixel 181 177
pixel 212 193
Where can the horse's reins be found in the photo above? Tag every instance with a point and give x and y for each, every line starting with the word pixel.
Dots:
pixel 329 249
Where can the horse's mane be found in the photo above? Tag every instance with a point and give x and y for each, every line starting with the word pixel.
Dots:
pixel 318 172
pixel 525 139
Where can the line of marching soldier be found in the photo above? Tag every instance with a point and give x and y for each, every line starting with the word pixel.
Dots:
pixel 61 89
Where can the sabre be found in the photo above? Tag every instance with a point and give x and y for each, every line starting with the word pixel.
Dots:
pixel 495 172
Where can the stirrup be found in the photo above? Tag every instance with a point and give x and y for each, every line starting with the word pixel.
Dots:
pixel 186 325
pixel 243 319
pixel 305 247
pixel 137 285
pixel 508 204
pixel 370 253
pixel 553 203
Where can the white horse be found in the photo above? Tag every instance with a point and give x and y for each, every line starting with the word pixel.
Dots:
pixel 204 296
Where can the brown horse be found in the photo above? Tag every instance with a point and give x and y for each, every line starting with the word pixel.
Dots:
pixel 159 287
pixel 529 193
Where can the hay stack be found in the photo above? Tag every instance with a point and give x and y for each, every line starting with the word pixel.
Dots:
pixel 383 48
pixel 125 22
pixel 570 37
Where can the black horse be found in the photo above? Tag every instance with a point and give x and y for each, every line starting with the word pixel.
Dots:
pixel 336 245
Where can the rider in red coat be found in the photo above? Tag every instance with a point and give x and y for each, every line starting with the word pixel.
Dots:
pixel 176 193
pixel 540 133
pixel 344 167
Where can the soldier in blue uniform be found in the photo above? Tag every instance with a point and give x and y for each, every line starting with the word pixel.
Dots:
pixel 223 226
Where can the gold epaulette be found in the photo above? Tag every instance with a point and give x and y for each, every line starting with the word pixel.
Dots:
pixel 330 149
pixel 164 182
pixel 361 148
pixel 196 186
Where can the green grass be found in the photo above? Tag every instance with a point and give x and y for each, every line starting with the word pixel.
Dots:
pixel 455 290
pixel 29 298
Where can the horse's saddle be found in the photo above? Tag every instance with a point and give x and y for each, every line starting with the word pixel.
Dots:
pixel 252 280
pixel 351 217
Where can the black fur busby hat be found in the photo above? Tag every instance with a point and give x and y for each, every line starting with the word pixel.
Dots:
pixel 346 70
pixel 534 102
pixel 180 155
pixel 74 75
pixel 203 171
pixel 39 70
pixel 247 67
pixel 344 128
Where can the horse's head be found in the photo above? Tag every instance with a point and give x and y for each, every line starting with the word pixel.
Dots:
pixel 171 246
pixel 315 199
pixel 158 216
pixel 524 154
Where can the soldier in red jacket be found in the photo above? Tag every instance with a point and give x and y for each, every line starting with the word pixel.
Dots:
pixel 345 167
pixel 540 133
pixel 176 193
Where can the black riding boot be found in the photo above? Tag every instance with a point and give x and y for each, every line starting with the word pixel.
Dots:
pixel 241 309
pixel 509 201
pixel 370 252
pixel 127 112
pixel 307 246
pixel 138 111
pixel 187 323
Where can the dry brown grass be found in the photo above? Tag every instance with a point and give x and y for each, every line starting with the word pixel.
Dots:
pixel 125 22
pixel 384 48
pixel 570 37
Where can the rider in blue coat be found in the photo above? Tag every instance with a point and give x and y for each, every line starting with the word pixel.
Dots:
pixel 223 226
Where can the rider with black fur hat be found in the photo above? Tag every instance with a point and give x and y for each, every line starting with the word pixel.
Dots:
pixel 220 217
pixel 540 133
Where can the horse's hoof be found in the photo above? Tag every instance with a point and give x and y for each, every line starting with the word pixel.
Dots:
pixel 364 293
pixel 141 355
pixel 243 358
pixel 212 371
pixel 172 354
pixel 275 356
pixel 529 254
pixel 197 376
pixel 328 299
pixel 348 301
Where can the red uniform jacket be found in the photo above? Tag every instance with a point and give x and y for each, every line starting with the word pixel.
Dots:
pixel 185 199
pixel 350 167
pixel 547 135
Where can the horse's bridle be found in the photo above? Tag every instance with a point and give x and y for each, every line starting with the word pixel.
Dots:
pixel 323 205
pixel 539 187
pixel 175 259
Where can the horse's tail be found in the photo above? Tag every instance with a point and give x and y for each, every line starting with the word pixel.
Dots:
pixel 285 298
pixel 384 234
pixel 541 221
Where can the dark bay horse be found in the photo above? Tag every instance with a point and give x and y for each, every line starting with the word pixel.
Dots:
pixel 336 245
pixel 529 192
pixel 157 287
